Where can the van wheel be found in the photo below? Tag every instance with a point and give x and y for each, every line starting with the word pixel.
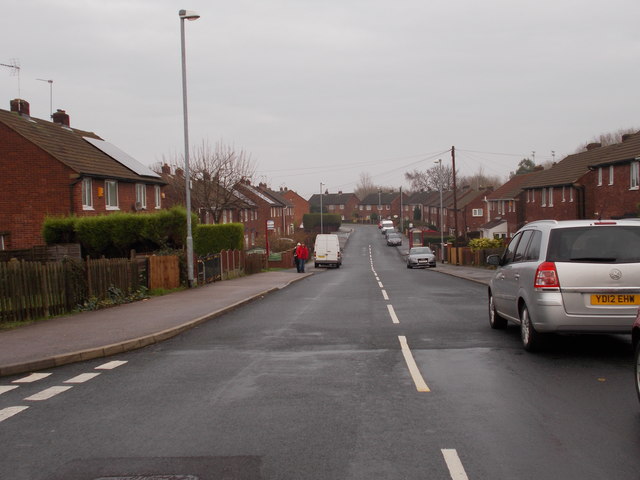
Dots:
pixel 495 320
pixel 315 265
pixel 531 339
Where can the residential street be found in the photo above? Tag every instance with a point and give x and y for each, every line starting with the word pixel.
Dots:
pixel 368 371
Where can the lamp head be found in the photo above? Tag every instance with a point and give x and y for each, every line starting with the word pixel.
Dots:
pixel 188 14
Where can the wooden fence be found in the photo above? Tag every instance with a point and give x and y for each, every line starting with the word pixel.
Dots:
pixel 31 290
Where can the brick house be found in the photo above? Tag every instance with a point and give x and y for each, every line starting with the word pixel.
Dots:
pixel 387 205
pixel 343 204
pixel 612 185
pixel 504 208
pixel 267 208
pixel 51 169
pixel 560 193
pixel 300 205
pixel 283 218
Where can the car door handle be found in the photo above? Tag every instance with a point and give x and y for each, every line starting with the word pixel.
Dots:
pixel 516 276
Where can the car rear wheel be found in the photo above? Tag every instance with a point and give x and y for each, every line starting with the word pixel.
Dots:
pixel 637 363
pixel 495 320
pixel 408 266
pixel 531 339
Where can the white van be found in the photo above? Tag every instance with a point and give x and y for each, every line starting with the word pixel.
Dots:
pixel 327 251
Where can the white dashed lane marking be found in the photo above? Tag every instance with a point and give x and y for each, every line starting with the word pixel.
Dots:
pixel 456 470
pixel 10 412
pixel 47 394
pixel 7 388
pixel 34 377
pixel 392 313
pixel 84 377
pixel 110 365
pixel 421 385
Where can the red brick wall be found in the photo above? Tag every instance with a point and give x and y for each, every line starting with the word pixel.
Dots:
pixel 561 210
pixel 32 186
pixel 608 201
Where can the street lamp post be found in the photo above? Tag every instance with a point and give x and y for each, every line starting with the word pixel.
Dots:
pixel 187 15
pixel 439 162
pixel 321 186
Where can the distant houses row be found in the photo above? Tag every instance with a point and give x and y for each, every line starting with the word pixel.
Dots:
pixel 52 169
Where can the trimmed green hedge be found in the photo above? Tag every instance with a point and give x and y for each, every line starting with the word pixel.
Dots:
pixel 118 233
pixel 214 238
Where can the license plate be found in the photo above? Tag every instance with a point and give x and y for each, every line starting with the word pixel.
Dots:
pixel 615 299
pixel 320 256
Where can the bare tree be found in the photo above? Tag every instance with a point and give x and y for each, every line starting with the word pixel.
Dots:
pixel 608 138
pixel 214 171
pixel 365 186
pixel 432 178
pixel 481 180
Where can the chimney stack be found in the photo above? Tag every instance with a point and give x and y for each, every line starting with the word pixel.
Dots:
pixel 20 106
pixel 61 117
pixel 593 146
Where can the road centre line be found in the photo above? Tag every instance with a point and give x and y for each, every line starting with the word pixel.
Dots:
pixel 421 385
pixel 384 295
pixel 110 365
pixel 10 412
pixel 34 377
pixel 394 317
pixel 380 284
pixel 84 377
pixel 456 470
pixel 47 393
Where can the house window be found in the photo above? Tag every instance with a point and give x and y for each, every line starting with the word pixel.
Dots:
pixel 635 175
pixel 368 207
pixel 87 197
pixel 388 207
pixel 111 194
pixel 551 196
pixel 141 195
pixel 4 241
pixel 571 194
pixel 610 174
pixel 599 176
pixel 543 200
pixel 476 212
pixel 563 197
pixel 332 208
pixel 341 207
pixel 158 195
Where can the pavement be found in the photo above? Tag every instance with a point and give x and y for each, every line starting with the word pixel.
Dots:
pixel 102 333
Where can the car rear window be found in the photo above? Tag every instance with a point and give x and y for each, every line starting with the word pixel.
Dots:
pixel 603 244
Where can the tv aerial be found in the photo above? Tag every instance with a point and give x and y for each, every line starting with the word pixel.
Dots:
pixel 15 70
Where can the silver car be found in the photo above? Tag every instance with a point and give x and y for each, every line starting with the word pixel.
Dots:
pixel 394 239
pixel 421 257
pixel 567 276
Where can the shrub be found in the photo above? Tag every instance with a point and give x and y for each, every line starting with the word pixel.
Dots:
pixel 484 243
pixel 214 238
pixel 59 229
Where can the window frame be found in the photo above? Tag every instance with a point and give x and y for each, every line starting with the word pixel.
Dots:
pixel 87 193
pixel 157 190
pixel 108 200
pixel 634 175
pixel 141 195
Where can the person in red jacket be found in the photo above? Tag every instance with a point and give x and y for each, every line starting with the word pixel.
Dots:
pixel 302 252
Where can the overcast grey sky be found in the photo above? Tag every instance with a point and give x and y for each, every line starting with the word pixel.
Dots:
pixel 320 91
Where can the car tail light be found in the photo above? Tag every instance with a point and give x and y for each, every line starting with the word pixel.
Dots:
pixel 547 276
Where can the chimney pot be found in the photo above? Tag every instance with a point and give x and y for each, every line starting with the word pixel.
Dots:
pixel 166 169
pixel 20 106
pixel 61 118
